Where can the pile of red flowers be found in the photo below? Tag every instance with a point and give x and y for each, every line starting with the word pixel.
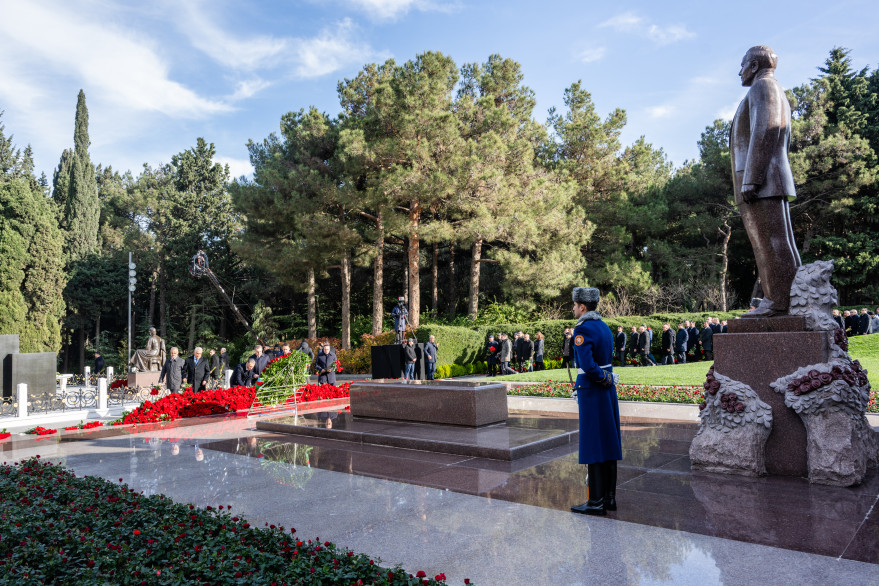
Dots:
pixel 189 404
pixel 170 408
pixel 4 435
pixel 118 384
pixel 89 425
pixel 40 430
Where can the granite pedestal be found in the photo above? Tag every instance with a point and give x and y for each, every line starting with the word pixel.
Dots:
pixel 388 361
pixel 758 351
pixel 449 417
pixel 8 347
pixel 447 402
pixel 140 380
pixel 37 371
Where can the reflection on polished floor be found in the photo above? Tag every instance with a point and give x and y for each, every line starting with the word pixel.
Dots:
pixel 655 486
pixel 465 517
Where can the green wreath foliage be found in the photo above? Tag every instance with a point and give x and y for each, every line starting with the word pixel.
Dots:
pixel 282 377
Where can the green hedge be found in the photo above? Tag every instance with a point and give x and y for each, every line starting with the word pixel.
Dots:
pixel 460 345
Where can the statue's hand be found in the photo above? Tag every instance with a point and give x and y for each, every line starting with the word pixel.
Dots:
pixel 749 192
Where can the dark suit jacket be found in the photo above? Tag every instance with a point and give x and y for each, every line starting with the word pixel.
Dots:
pixel 242 377
pixel 224 363
pixel 668 341
pixel 707 338
pixel 430 351
pixel 759 139
pixel 644 342
pixel 838 320
pixel 326 362
pixel 621 342
pixel 692 337
pixel 633 342
pixel 864 324
pixel 215 366
pixel 260 362
pixel 196 374
pixel 172 372
pixel 99 364
pixel 681 338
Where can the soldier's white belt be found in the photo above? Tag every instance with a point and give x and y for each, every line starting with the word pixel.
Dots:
pixel 581 371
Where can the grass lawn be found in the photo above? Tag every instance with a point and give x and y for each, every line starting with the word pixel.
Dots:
pixel 862 348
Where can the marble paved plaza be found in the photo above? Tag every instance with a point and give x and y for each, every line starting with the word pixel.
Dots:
pixel 501 522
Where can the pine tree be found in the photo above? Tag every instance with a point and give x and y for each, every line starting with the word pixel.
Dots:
pixel 31 275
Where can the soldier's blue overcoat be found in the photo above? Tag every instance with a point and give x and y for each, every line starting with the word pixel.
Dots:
pixel 599 410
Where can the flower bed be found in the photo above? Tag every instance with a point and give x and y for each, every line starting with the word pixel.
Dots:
pixel 40 430
pixel 650 393
pixel 89 425
pixel 189 404
pixel 60 529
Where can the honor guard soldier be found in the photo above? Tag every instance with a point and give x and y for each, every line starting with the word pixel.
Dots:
pixel 595 390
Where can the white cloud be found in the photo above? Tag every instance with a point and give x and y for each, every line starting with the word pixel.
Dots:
pixel 625 22
pixel 592 54
pixel 237 167
pixel 630 22
pixel 727 112
pixel 393 9
pixel 669 34
pixel 660 111
pixel 248 88
pixel 116 63
pixel 329 51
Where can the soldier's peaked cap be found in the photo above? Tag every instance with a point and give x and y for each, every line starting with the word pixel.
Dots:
pixel 586 295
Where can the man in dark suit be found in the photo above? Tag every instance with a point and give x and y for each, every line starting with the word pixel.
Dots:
pixel 633 345
pixel 692 336
pixel 99 363
pixel 172 371
pixel 851 323
pixel 838 319
pixel 681 343
pixel 668 344
pixel 865 324
pixel 491 349
pixel 430 355
pixel 706 340
pixel 567 348
pixel 196 371
pixel 644 347
pixel 620 345
pixel 224 362
pixel 763 182
pixel 260 359
pixel 215 367
pixel 244 375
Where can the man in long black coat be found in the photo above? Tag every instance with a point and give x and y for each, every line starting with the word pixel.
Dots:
pixel 99 363
pixel 325 365
pixel 706 340
pixel 491 351
pixel 260 359
pixel 567 349
pixel 865 324
pixel 668 344
pixel 634 338
pixel 196 370
pixel 692 336
pixel 681 343
pixel 620 345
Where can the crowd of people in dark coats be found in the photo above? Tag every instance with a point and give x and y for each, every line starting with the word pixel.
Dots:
pixel 857 324
pixel 521 354
pixel 206 372
pixel 687 342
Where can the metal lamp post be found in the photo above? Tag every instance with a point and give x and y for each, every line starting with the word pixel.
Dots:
pixel 132 279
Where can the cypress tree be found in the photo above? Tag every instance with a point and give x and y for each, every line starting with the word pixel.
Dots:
pixel 76 190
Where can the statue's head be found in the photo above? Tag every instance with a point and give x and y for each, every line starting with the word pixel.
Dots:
pixel 757 59
pixel 152 331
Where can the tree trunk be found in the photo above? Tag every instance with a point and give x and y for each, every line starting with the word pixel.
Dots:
pixel 434 301
pixel 163 303
pixel 451 307
pixel 192 329
pixel 152 315
pixel 414 273
pixel 724 263
pixel 312 305
pixel 66 354
pixel 82 346
pixel 98 334
pixel 223 324
pixel 473 307
pixel 405 278
pixel 378 275
pixel 346 300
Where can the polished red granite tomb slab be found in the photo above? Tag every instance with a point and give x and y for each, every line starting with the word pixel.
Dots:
pixel 655 485
pixel 517 438
pixel 447 402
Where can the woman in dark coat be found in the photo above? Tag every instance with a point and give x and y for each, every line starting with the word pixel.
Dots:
pixel 325 365
pixel 600 439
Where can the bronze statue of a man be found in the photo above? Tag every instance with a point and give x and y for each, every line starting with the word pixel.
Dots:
pixel 764 185
pixel 152 358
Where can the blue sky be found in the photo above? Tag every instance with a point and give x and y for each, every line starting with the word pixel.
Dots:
pixel 159 74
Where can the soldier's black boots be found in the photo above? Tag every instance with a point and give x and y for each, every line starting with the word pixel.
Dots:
pixel 596 483
pixel 610 493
